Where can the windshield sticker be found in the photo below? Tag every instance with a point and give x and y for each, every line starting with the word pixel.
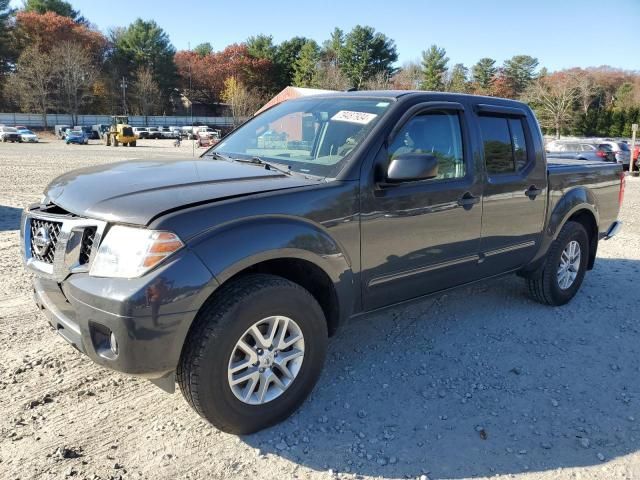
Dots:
pixel 353 117
pixel 382 104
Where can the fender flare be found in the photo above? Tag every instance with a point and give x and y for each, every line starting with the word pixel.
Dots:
pixel 236 246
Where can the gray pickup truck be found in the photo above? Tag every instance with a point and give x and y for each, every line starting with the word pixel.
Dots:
pixel 227 274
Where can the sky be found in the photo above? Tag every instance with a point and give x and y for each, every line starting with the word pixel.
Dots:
pixel 560 33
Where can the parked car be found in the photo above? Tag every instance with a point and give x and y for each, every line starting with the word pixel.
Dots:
pixel 99 130
pixel 9 134
pixel 177 131
pixel 226 274
pixel 61 131
pixel 620 149
pixel 78 137
pixel 28 136
pixel 141 132
pixel 154 133
pixel 583 151
pixel 187 131
pixel 166 132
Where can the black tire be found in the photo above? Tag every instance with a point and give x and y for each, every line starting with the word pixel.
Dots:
pixel 202 371
pixel 543 284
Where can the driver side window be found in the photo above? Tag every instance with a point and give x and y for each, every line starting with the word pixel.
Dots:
pixel 437 134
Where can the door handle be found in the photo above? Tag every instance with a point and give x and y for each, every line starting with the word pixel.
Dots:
pixel 532 192
pixel 467 200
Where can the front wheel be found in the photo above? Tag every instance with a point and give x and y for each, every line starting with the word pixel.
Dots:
pixel 560 277
pixel 254 353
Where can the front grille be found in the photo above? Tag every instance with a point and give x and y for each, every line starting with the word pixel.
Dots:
pixel 88 237
pixel 44 238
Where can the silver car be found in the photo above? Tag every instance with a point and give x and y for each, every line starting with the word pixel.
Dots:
pixel 620 149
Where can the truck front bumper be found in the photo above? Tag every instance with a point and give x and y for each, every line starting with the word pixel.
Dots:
pixel 135 326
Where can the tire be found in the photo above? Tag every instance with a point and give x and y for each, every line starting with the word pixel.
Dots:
pixel 544 284
pixel 203 369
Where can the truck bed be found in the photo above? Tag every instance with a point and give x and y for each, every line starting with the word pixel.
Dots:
pixel 598 179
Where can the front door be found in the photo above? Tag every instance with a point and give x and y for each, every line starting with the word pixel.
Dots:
pixel 422 236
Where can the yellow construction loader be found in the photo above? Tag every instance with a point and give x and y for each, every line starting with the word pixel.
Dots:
pixel 120 132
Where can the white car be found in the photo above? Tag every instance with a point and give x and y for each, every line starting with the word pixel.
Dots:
pixel 28 136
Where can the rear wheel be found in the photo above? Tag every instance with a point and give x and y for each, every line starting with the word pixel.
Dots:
pixel 560 277
pixel 254 354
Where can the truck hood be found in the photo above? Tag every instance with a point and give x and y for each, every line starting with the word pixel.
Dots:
pixel 137 191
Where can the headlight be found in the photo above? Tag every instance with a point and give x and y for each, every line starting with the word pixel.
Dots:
pixel 128 252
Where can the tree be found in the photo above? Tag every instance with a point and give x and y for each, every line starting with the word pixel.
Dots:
pixel 306 64
pixel 366 53
pixel 7 50
pixel 519 72
pixel 242 101
pixel 262 46
pixel 330 77
pixel 553 97
pixel 75 74
pixel 146 90
pixel 33 81
pixel 287 54
pixel 457 81
pixel 408 77
pixel 483 74
pixel 59 7
pixel 434 68
pixel 144 43
pixel 380 81
pixel 50 29
pixel 203 49
pixel 332 48
pixel 209 73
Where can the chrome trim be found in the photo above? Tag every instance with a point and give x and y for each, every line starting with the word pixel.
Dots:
pixel 67 250
pixel 613 229
pixel 510 248
pixel 416 271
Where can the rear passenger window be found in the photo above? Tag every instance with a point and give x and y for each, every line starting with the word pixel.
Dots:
pixel 505 146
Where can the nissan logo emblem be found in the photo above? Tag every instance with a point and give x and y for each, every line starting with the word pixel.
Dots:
pixel 41 241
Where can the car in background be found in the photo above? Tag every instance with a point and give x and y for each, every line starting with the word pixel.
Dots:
pixel 78 137
pixel 166 132
pixel 141 132
pixel 620 149
pixel 27 135
pixel 580 151
pixel 99 130
pixel 154 133
pixel 177 131
pixel 61 131
pixel 9 134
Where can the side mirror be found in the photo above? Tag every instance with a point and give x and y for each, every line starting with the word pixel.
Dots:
pixel 412 166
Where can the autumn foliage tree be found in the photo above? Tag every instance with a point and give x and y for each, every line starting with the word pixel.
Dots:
pixel 204 75
pixel 50 29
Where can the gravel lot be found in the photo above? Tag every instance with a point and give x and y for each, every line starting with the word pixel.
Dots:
pixel 481 382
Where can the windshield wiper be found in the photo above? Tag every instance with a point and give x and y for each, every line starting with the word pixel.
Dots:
pixel 267 165
pixel 219 156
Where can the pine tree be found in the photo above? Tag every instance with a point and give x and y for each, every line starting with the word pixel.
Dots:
pixel 434 68
pixel 306 65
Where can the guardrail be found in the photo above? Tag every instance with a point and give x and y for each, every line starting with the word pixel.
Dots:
pixel 36 120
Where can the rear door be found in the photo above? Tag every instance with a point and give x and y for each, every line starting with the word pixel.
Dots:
pixel 514 201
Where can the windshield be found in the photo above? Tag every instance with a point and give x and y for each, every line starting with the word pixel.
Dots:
pixel 24 131
pixel 311 136
pixel 10 130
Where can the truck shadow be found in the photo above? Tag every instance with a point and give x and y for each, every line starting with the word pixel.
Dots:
pixel 479 381
pixel 9 218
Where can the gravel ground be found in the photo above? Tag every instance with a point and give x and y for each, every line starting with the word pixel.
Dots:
pixel 498 386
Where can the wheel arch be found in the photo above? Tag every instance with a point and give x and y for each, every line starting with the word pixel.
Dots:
pixel 292 248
